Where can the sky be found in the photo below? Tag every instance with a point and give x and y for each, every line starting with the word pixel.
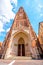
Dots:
pixel 9 8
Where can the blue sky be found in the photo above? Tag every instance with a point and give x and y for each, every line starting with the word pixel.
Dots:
pixel 9 8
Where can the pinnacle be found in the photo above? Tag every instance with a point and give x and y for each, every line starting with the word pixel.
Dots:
pixel 21 9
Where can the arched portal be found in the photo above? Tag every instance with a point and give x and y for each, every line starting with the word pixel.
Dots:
pixel 21 47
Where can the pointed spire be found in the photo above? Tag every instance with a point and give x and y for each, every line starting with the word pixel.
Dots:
pixel 21 19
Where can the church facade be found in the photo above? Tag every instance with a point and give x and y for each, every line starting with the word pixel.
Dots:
pixel 21 40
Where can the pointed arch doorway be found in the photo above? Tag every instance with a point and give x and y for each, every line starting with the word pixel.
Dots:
pixel 21 47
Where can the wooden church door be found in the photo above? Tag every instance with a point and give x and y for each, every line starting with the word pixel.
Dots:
pixel 21 47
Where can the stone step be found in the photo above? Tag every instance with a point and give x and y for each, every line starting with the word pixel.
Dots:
pixel 20 58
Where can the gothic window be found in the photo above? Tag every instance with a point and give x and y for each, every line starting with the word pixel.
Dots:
pixel 25 23
pixel 20 23
pixel 0 56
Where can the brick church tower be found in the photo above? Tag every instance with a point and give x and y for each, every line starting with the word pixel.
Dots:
pixel 21 40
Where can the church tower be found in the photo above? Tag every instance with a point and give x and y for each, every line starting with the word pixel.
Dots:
pixel 21 40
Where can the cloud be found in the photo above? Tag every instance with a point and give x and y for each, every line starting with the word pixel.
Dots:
pixel 14 1
pixel 1 27
pixel 40 6
pixel 41 14
pixel 6 12
pixel 40 9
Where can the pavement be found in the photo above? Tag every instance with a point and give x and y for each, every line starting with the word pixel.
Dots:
pixel 21 62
